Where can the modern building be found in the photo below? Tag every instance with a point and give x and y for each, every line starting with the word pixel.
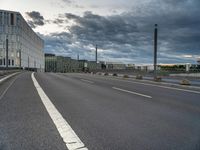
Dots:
pixel 20 46
pixel 62 64
pixel 115 65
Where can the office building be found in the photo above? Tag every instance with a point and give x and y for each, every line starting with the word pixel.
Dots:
pixel 62 64
pixel 20 46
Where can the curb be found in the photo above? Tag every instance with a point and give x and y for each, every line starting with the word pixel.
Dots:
pixel 8 76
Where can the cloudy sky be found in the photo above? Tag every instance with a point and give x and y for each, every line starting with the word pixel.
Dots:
pixel 122 29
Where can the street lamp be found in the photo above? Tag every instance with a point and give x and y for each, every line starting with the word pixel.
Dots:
pixel 7 52
pixel 96 53
pixel 155 50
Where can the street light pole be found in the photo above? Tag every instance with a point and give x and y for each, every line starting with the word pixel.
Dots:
pixel 96 53
pixel 20 58
pixel 6 52
pixel 155 50
pixel 78 57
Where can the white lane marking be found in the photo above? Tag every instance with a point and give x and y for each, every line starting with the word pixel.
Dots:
pixel 4 92
pixel 135 93
pixel 70 138
pixel 166 87
pixel 87 81
pixel 9 76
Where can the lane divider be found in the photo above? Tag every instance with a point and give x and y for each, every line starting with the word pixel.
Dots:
pixel 68 135
pixel 131 92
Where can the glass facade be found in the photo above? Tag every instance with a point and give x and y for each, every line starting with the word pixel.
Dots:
pixel 25 47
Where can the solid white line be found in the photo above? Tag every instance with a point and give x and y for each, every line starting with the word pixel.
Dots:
pixel 7 77
pixel 135 93
pixel 166 87
pixel 70 138
pixel 87 81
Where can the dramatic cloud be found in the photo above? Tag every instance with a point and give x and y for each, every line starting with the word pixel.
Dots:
pixel 36 19
pixel 71 3
pixel 128 37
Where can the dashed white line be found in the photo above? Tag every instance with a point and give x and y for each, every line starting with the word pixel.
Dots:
pixel 87 81
pixel 70 138
pixel 166 87
pixel 149 84
pixel 131 92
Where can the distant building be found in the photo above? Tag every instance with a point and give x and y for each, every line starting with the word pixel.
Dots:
pixel 130 66
pixel 92 65
pixel 115 65
pixel 25 47
pixel 62 64
pixel 50 63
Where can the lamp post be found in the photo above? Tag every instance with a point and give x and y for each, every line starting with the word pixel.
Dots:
pixel 96 53
pixel 155 50
pixel 78 57
pixel 20 58
pixel 7 52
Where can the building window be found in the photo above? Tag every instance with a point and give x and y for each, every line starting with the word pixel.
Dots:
pixel 1 18
pixel 13 62
pixel 12 19
pixel 4 61
pixel 0 62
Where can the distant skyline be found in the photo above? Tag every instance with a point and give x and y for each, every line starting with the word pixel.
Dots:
pixel 122 29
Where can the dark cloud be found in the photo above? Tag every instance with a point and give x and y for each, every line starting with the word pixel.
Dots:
pixel 58 21
pixel 129 36
pixel 71 3
pixel 36 19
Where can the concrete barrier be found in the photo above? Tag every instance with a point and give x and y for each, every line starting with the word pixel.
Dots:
pixel 99 73
pixel 106 74
pixel 125 76
pixel 185 82
pixel 115 74
pixel 158 79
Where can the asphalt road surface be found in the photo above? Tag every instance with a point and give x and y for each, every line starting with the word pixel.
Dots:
pixel 105 113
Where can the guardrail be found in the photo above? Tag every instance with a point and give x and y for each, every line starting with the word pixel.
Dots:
pixel 193 73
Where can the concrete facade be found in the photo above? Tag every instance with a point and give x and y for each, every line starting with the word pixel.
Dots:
pixel 25 47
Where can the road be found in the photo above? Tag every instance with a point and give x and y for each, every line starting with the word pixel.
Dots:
pixel 105 113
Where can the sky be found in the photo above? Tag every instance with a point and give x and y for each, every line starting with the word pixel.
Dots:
pixel 122 29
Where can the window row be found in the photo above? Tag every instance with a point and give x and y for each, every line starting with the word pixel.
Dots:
pixel 11 62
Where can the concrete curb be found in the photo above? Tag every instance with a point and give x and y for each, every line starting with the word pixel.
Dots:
pixel 8 76
pixel 120 76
